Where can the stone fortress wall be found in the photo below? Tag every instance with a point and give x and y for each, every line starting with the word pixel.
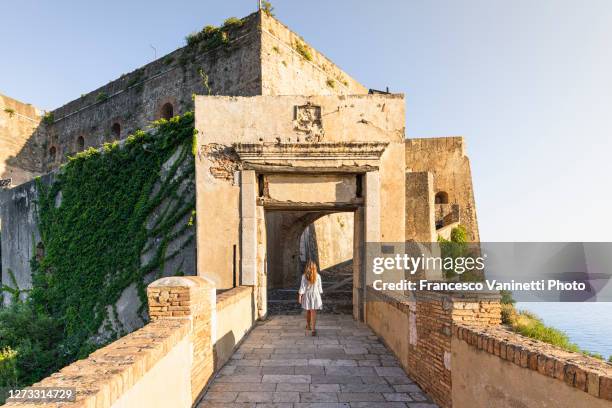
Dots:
pixel 132 101
pixel 260 57
pixel 445 159
pixel 21 146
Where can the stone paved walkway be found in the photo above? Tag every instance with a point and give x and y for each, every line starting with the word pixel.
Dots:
pixel 345 366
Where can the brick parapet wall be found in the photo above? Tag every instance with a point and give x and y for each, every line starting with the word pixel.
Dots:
pixel 180 309
pixel 232 296
pixel 193 297
pixel 111 371
pixel 576 370
pixel 431 317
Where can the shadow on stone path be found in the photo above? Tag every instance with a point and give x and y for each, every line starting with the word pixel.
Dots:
pixel 346 366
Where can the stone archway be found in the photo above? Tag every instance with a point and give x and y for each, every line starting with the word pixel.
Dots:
pixel 310 191
pixel 285 231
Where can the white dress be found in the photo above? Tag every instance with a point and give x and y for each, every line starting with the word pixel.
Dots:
pixel 311 293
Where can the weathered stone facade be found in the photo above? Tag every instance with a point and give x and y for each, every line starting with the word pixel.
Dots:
pixel 261 57
pixel 445 158
pixel 251 63
pixel 20 234
pixel 364 135
pixel 34 146
pixel 21 143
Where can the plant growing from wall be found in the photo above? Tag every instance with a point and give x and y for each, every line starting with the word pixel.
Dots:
pixel 267 8
pixel 101 96
pixel 48 118
pixel 233 22
pixel 210 37
pixel 458 247
pixel 303 50
pixel 205 84
pixel 136 78
pixel 120 209
pixel 10 112
pixel 13 289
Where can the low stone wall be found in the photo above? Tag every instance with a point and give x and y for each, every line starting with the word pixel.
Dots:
pixel 418 330
pixel 494 367
pixel 454 347
pixel 113 373
pixel 235 317
pixel 167 363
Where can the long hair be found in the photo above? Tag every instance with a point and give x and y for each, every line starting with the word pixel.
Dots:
pixel 310 271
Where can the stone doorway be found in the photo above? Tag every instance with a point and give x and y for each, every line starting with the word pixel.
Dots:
pixel 294 237
pixel 273 194
pixel 296 199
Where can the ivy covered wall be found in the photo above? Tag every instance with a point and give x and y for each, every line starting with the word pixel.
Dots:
pixel 111 221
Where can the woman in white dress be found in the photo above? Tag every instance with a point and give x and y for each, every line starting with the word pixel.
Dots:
pixel 309 295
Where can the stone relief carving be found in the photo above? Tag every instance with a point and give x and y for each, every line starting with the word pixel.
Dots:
pixel 223 160
pixel 307 120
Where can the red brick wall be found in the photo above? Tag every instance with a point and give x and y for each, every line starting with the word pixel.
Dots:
pixel 192 297
pixel 425 349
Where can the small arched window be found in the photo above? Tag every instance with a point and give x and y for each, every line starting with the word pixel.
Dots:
pixel 116 130
pixel 441 197
pixel 167 111
pixel 52 154
pixel 80 144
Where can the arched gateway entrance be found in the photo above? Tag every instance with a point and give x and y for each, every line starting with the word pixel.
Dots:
pixel 294 237
pixel 285 200
pixel 268 166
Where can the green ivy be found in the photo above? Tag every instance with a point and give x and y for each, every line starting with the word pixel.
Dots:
pixel 211 37
pixel 104 210
pixel 48 118
pixel 101 96
pixel 459 247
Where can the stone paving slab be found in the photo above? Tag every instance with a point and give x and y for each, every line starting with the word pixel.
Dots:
pixel 279 365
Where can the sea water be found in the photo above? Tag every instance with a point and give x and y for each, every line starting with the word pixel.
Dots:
pixel 588 324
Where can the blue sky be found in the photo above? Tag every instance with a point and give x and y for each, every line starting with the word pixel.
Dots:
pixel 528 83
